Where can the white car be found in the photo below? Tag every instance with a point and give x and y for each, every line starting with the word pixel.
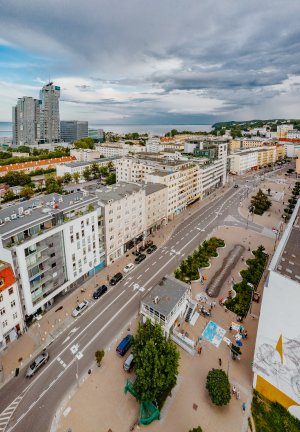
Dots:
pixel 128 268
pixel 80 308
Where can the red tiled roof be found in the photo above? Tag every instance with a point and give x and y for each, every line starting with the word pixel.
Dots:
pixel 292 140
pixel 36 164
pixel 7 277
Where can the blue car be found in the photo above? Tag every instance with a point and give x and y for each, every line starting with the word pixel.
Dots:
pixel 124 345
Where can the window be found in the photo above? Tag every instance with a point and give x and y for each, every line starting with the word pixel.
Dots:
pixel 73 257
pixel 72 239
pixel 52 255
pixel 10 291
pixel 15 315
pixel 4 324
pixel 82 233
pixel 13 303
pixel 2 311
pixel 77 236
pixel 1 297
pixel 53 265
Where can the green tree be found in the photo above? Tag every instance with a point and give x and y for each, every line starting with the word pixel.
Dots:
pixel 110 165
pixel 9 196
pixel 54 185
pixel 197 429
pixel 16 178
pixel 95 170
pixel 27 192
pixel 85 143
pixel 99 354
pixel 218 387
pixel 103 171
pixel 111 179
pixel 156 362
pixel 87 173
pixel 76 177
pixel 67 178
pixel 261 202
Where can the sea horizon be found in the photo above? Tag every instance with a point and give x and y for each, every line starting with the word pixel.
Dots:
pixel 6 128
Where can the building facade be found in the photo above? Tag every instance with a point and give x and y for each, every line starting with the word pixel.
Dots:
pixel 85 155
pixel 49 114
pixel 277 354
pixel 53 243
pixel 26 121
pixel 11 316
pixel 251 159
pixel 27 167
pixel 73 130
pixel 119 149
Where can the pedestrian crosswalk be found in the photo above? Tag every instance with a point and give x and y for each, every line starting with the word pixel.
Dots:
pixel 6 415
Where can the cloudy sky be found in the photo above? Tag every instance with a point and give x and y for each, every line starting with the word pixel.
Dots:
pixel 158 61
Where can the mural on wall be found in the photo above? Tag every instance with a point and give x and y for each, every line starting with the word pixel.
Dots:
pixel 279 363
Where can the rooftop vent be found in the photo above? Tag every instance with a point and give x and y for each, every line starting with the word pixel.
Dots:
pixel 1 222
pixel 27 212
pixel 156 299
pixel 20 210
pixel 7 219
pixel 14 216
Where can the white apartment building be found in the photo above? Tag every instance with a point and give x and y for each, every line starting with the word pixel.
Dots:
pixel 119 149
pixel 186 181
pixel 79 167
pixel 52 243
pixel 123 209
pixel 11 316
pixel 283 130
pixel 291 149
pixel 85 155
pixel 156 206
pixel 293 134
pixel 246 160
pixel 153 145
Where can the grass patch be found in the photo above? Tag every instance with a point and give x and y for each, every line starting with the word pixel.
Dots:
pixel 271 416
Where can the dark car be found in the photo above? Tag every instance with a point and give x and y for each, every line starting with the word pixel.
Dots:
pixel 140 258
pixel 116 278
pixel 99 292
pixel 124 345
pixel 151 249
pixel 236 186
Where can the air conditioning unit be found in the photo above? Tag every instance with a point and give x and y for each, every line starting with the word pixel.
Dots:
pixel 156 299
pixel 27 212
pixel 7 219
pixel 60 199
pixel 14 216
pixel 20 210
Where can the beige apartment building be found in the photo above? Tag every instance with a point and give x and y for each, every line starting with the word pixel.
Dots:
pixel 119 149
pixel 251 159
pixel 85 155
pixel 186 180
pixel 130 211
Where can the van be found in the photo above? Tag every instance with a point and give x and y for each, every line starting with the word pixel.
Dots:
pixel 116 278
pixel 124 345
pixel 128 363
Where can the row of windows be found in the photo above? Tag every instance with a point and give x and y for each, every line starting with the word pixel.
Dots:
pixel 10 292
pixel 12 305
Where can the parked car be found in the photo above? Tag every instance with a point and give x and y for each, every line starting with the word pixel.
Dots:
pixel 80 308
pixel 140 258
pixel 99 292
pixel 128 363
pixel 128 268
pixel 124 345
pixel 116 278
pixel 37 363
pixel 236 186
pixel 151 249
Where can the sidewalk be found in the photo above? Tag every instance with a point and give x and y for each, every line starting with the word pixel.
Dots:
pixel 19 353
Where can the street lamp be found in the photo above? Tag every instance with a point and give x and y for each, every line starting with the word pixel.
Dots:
pixel 252 288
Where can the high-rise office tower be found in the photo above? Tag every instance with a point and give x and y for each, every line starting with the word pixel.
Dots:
pixel 73 130
pixel 49 119
pixel 25 119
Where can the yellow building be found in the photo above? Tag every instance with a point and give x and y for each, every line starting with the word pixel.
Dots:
pixel 266 155
pixel 251 143
pixel 234 144
pixel 280 152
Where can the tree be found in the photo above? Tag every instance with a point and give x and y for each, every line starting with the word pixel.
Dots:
pixel 94 170
pixel 261 202
pixel 197 429
pixel 218 387
pixel 76 177
pixel 111 179
pixel 85 143
pixel 9 196
pixel 87 173
pixel 156 362
pixel 110 165
pixel 54 185
pixel 16 178
pixel 27 192
pixel 103 171
pixel 99 354
pixel 67 178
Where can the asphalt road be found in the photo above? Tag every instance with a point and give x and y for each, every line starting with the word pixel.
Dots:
pixel 32 403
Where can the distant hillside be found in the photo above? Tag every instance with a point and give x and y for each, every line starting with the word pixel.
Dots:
pixel 250 124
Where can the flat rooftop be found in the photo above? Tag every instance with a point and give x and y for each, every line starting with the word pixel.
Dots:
pixel 167 293
pixel 154 187
pixel 289 263
pixel 37 210
pixel 86 163
pixel 117 191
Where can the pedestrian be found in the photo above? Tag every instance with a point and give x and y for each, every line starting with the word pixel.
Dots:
pixel 200 350
pixel 230 328
pixel 238 395
pixel 220 362
pixel 244 406
pixel 245 334
pixel 233 390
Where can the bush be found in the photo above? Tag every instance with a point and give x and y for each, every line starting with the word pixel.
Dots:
pixel 197 429
pixel 99 356
pixel 218 387
pixel 188 269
